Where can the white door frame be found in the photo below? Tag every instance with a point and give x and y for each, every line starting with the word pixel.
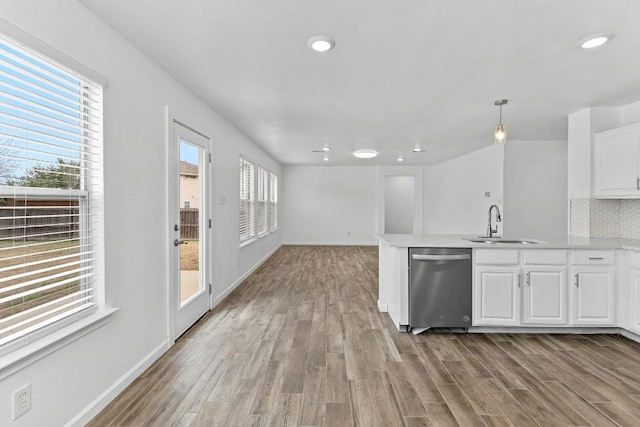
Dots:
pixel 173 299
pixel 417 172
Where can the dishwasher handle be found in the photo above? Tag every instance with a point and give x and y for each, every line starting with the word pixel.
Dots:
pixel 458 257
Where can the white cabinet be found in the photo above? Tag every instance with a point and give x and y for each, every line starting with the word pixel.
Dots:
pixel 544 295
pixel 496 296
pixel 634 303
pixel 616 156
pixel 634 293
pixel 593 295
pixel 539 287
pixel 393 283
pixel 520 287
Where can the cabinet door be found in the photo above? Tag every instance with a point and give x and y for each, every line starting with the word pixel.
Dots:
pixel 593 301
pixel 634 304
pixel 616 156
pixel 496 296
pixel 544 296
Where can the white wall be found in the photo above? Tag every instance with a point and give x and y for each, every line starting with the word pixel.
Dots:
pixel 323 204
pixel 535 197
pixel 67 382
pixel 454 201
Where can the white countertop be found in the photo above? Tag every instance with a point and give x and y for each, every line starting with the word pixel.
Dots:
pixel 545 242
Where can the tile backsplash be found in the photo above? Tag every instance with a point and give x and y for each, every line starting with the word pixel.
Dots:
pixel 605 218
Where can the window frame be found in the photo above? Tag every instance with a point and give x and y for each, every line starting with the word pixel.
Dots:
pixel 262 201
pixel 251 235
pixel 265 194
pixel 23 350
pixel 273 202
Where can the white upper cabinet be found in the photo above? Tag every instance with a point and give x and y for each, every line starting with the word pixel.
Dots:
pixel 616 159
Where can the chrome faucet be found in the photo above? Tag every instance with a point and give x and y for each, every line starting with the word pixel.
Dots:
pixel 491 230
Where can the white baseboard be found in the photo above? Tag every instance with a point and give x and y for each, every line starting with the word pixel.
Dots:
pixel 382 308
pixel 118 387
pixel 542 330
pixel 330 243
pixel 631 335
pixel 217 300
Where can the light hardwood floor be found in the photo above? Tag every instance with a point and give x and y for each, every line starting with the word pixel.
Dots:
pixel 301 343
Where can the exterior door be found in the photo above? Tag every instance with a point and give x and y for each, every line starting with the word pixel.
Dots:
pixel 190 241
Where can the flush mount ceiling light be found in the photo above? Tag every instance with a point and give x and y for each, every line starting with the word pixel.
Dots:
pixel 595 40
pixel 400 159
pixel 365 154
pixel 321 43
pixel 500 134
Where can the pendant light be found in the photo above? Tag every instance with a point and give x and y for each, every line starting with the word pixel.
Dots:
pixel 500 134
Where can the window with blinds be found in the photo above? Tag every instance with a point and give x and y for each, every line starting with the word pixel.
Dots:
pixel 50 182
pixel 273 201
pixel 247 201
pixel 263 200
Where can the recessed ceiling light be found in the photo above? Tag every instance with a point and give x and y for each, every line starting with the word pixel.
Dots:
pixel 595 40
pixel 419 150
pixel 326 158
pixel 321 43
pixel 365 154
pixel 400 159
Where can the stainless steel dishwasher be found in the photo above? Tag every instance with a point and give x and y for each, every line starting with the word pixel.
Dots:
pixel 439 288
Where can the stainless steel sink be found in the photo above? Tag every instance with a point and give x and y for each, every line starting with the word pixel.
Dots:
pixel 495 241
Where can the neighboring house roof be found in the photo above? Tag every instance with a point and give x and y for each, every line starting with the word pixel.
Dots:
pixel 187 168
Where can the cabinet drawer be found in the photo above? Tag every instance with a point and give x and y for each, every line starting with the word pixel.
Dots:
pixel 544 257
pixel 592 257
pixel 634 258
pixel 496 256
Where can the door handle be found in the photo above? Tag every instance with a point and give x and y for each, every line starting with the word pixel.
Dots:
pixel 418 257
pixel 180 242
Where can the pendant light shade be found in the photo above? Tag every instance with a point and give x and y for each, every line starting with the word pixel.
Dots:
pixel 500 133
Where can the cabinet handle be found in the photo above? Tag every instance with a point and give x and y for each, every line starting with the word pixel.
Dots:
pixel 518 279
pixel 594 258
pixel 577 280
pixel 528 278
pixel 638 183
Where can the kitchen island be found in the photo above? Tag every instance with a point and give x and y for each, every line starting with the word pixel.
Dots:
pixel 564 284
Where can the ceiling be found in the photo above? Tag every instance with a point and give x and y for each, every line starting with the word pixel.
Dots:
pixel 403 73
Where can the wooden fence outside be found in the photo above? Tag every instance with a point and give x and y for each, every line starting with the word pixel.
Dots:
pixel 42 223
pixel 39 223
pixel 189 224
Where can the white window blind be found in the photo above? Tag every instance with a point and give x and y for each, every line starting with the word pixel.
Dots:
pixel 50 183
pixel 247 201
pixel 273 201
pixel 262 208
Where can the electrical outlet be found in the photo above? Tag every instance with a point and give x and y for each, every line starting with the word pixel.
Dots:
pixel 21 400
pixel 487 194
